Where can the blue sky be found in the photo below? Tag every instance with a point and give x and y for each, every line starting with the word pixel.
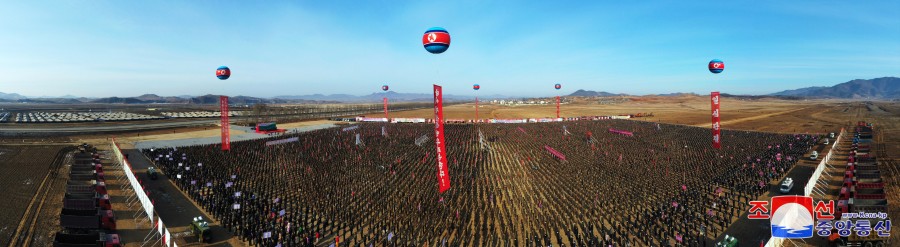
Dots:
pixel 516 48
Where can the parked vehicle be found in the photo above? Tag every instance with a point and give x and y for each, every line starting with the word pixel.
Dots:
pixel 87 219
pixel 98 239
pixel 86 187
pixel 78 202
pixel 200 228
pixel 787 185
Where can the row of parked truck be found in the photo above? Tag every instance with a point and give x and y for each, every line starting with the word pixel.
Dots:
pixel 87 218
pixel 862 189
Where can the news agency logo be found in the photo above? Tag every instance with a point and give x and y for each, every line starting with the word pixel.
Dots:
pixel 792 217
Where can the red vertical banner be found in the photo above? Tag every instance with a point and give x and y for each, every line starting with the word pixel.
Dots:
pixel 385 109
pixel 557 106
pixel 443 173
pixel 476 109
pixel 716 125
pixel 226 136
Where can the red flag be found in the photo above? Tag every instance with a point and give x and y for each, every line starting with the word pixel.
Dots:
pixel 443 172
pixel 386 109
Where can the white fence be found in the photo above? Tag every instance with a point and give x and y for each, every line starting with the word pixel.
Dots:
pixel 133 181
pixel 811 184
pixel 143 199
pixel 775 242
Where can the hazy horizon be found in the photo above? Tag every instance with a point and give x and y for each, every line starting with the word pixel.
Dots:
pixel 329 94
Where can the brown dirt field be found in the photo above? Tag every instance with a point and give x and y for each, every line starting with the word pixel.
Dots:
pixel 761 115
pixel 768 115
pixel 30 186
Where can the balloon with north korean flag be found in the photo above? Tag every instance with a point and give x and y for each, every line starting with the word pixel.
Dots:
pixel 716 66
pixel 476 86
pixel 385 87
pixel 223 73
pixel 557 86
pixel 436 40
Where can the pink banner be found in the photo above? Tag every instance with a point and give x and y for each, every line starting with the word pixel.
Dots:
pixel 226 135
pixel 557 106
pixel 443 171
pixel 717 138
pixel 555 153
pixel 627 133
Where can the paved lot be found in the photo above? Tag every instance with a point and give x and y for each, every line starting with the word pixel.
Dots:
pixel 248 135
pixel 63 129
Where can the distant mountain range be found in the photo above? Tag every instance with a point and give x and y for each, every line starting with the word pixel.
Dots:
pixel 588 93
pixel 374 97
pixel 153 99
pixel 377 97
pixel 880 88
pixel 214 99
pixel 11 96
pixel 676 94
pixel 205 99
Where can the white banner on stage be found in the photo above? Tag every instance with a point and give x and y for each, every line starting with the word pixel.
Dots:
pixel 373 119
pixel 407 120
pixel 524 120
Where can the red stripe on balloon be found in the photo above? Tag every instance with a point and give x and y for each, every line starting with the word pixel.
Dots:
pixel 439 38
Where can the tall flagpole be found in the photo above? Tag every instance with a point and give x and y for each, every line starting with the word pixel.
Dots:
pixel 557 106
pixel 476 87
pixel 385 88
pixel 557 86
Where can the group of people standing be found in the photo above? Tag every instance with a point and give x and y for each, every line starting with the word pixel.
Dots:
pixel 663 186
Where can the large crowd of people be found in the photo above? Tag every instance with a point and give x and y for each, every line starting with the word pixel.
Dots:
pixel 663 186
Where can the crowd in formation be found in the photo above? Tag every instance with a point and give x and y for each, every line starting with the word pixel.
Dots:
pixel 663 186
